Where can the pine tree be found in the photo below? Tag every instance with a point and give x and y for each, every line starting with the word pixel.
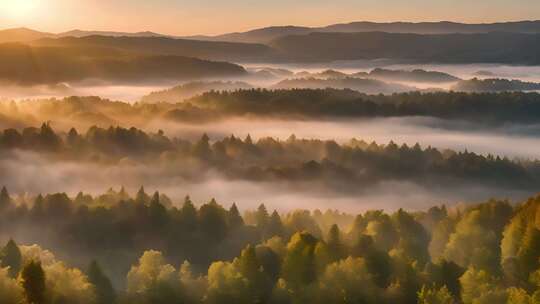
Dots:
pixel 5 199
pixel 33 282
pixel 105 293
pixel 142 197
pixel 188 214
pixel 234 218
pixel 11 257
pixel 262 216
pixel 275 225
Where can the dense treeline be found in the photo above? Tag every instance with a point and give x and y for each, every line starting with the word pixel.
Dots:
pixel 368 86
pixel 495 85
pixel 481 108
pixel 159 252
pixel 488 107
pixel 344 167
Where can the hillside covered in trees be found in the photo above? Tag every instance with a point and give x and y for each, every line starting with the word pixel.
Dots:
pixel 489 108
pixel 33 65
pixel 119 248
pixel 350 167
pixel 485 109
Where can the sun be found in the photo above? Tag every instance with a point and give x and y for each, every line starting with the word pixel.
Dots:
pixel 18 9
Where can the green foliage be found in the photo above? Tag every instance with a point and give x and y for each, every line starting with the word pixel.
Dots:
pixel 435 296
pixel 381 258
pixel 299 267
pixel 296 160
pixel 520 247
pixel 481 226
pixel 478 286
pixel 11 291
pixel 348 281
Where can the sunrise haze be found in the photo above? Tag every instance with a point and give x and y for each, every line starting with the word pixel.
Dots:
pixel 190 17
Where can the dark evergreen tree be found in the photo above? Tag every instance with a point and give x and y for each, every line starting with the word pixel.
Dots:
pixel 33 283
pixel 105 293
pixel 10 256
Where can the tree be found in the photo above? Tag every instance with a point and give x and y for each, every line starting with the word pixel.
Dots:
pixel 261 216
pixel 142 197
pixel 347 281
pixel 33 282
pixel 434 296
pixel 336 248
pixel 188 215
pixel 202 148
pixel 157 212
pixel 234 219
pixel 104 290
pixel 150 271
pixel 10 291
pixel 299 266
pixel 10 256
pixel 477 286
pixel 212 220
pixel 5 199
pixel 275 226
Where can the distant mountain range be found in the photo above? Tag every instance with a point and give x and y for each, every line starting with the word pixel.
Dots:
pixel 26 35
pixel 428 42
pixel 267 34
pixel 494 47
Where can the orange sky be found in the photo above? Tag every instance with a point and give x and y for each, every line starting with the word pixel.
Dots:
pixel 186 17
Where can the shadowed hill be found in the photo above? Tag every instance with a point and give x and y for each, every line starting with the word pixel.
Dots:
pixel 26 65
pixel 267 34
pixel 167 46
pixel 21 35
pixel 511 48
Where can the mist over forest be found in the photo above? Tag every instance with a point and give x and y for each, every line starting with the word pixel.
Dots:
pixel 353 163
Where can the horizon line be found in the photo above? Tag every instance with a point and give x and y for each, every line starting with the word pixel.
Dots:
pixel 265 27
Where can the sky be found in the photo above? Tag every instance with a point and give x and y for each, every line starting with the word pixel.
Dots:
pixel 191 17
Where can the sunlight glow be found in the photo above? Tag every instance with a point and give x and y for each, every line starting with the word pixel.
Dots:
pixel 18 9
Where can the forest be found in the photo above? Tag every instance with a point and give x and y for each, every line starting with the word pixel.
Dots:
pixel 143 248
pixel 484 109
pixel 350 167
pixel 269 152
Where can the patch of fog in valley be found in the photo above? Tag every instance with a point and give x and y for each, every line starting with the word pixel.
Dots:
pixel 513 141
pixel 134 92
pixel 31 173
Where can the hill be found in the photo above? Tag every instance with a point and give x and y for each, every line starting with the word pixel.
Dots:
pixel 510 48
pixel 191 89
pixel 27 65
pixel 82 33
pixel 495 85
pixel 267 34
pixel 368 86
pixel 168 46
pixel 21 35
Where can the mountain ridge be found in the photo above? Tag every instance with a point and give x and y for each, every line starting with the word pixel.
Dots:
pixel 269 33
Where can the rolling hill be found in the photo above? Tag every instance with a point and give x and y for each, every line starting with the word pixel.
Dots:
pixel 497 47
pixel 30 65
pixel 227 51
pixel 267 34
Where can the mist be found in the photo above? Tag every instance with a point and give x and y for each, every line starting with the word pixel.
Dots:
pixel 512 140
pixel 29 173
